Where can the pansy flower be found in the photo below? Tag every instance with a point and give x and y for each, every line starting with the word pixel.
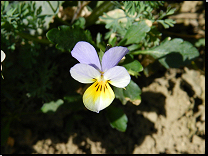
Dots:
pixel 90 70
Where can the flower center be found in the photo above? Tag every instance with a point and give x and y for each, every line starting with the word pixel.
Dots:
pixel 100 86
pixel 102 73
pixel 100 83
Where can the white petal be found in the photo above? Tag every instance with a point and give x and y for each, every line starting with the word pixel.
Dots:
pixel 84 73
pixel 3 55
pixel 118 76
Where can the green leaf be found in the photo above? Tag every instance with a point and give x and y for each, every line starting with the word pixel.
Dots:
pixel 172 53
pixel 52 106
pixel 80 22
pixel 65 37
pixel 117 118
pixel 165 25
pixel 154 36
pixel 99 42
pixel 131 93
pixel 39 10
pixel 200 42
pixel 135 34
pixel 127 5
pixel 170 11
pixel 98 38
pixel 170 22
pixel 5 4
pixel 132 66
pixel 112 41
pixel 11 11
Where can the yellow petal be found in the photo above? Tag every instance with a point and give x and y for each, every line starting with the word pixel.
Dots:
pixel 98 96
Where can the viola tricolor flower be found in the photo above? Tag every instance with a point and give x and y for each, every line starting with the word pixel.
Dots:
pixel 90 70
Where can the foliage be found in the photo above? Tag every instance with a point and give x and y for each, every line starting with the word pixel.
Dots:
pixel 133 11
pixel 172 53
pixel 38 59
pixel 117 118
pixel 65 34
pixel 29 66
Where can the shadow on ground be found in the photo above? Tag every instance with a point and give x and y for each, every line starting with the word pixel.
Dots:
pixel 84 126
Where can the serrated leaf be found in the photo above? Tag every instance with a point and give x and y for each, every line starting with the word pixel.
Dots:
pixel 173 53
pixel 51 106
pixel 131 93
pixel 65 37
pixel 117 118
pixel 135 33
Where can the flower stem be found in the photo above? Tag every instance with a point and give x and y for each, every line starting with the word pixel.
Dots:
pixel 30 37
pixel 141 52
pixel 51 7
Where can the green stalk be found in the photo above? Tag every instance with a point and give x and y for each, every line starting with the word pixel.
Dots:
pixel 51 6
pixel 104 7
pixel 30 37
pixel 141 52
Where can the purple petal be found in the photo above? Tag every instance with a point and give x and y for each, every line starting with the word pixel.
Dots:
pixel 85 53
pixel 112 57
pixel 84 73
pixel 118 76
